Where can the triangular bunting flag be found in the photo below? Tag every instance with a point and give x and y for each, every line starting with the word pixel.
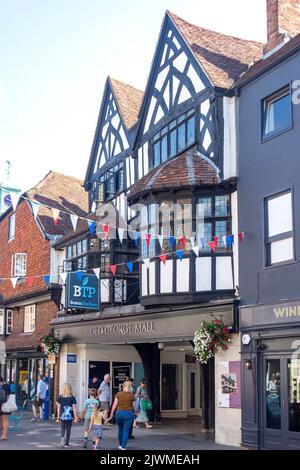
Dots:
pixel 136 238
pixel 224 240
pixel 29 281
pixel 148 238
pixel 121 233
pixel 179 253
pixel 94 207
pixel 129 265
pixel 74 220
pixel 14 199
pixel 47 278
pixel 97 272
pixel 216 239
pixel 163 258
pixel 182 241
pixel 106 231
pixel 193 241
pixel 35 208
pixel 161 240
pixel 63 277
pixel 113 269
pixel 229 240
pixel 147 262
pixel 196 250
pixel 14 281
pixel 79 274
pixel 172 241
pixel 55 215
pixel 213 245
pixel 91 226
pixel 241 236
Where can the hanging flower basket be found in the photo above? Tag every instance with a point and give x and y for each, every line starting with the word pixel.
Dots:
pixel 211 337
pixel 50 345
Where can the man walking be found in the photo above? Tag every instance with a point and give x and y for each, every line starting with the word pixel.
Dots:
pixel 104 395
pixel 38 402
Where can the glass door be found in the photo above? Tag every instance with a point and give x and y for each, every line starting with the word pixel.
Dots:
pixel 292 440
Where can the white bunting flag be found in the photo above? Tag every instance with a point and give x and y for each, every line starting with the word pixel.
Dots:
pixel 93 208
pixel 35 208
pixel 97 272
pixel 14 199
pixel 224 240
pixel 147 262
pixel 121 233
pixel 196 250
pixel 14 281
pixel 74 220
pixel 63 277
pixel 193 241
pixel 161 240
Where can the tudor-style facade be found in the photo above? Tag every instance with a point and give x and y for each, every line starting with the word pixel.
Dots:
pixel 179 147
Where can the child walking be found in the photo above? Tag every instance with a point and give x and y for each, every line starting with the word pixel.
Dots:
pixel 87 412
pixel 96 425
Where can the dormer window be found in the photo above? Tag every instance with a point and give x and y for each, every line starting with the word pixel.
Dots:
pixel 173 139
pixel 110 184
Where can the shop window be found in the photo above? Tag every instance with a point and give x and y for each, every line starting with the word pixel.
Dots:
pixel 9 321
pixel 11 227
pixel 1 321
pixel 279 229
pixel 19 262
pixel 276 113
pixel 29 319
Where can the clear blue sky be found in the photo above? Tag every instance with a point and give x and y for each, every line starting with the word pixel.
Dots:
pixel 54 59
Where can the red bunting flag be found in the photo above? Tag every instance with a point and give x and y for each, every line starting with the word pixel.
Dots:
pixel 30 281
pixel 163 258
pixel 182 241
pixel 241 236
pixel 216 239
pixel 113 269
pixel 106 231
pixel 55 215
pixel 213 245
pixel 148 238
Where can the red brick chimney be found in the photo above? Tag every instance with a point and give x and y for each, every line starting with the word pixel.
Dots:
pixel 283 18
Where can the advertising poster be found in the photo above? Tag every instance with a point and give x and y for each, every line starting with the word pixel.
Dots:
pixel 229 393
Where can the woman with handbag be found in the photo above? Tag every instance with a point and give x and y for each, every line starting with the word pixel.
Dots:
pixel 144 404
pixel 4 389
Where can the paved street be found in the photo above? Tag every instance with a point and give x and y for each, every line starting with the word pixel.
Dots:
pixel 170 435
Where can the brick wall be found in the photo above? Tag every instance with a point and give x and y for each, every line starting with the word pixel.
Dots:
pixel 283 16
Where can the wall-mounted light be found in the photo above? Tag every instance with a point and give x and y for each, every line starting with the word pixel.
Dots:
pixel 248 364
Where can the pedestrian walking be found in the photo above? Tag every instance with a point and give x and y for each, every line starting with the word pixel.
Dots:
pixel 131 436
pixel 124 410
pixel 38 402
pixel 104 395
pixel 87 412
pixel 4 395
pixel 66 414
pixel 94 383
pixel 142 397
pixel 25 392
pixel 96 425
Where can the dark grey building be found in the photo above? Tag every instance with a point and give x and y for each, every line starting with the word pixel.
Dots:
pixel 269 208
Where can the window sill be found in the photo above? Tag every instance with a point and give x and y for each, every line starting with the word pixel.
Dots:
pixel 27 333
pixel 270 136
pixel 278 265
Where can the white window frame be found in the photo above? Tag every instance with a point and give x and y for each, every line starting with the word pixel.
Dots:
pixel 29 318
pixel 9 312
pixel 11 235
pixel 2 318
pixel 19 270
pixel 286 235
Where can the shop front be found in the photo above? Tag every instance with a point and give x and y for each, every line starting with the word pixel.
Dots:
pixel 271 375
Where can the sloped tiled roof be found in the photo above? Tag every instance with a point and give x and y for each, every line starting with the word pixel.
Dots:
pixel 187 170
pixel 61 192
pixel 223 58
pixel 129 101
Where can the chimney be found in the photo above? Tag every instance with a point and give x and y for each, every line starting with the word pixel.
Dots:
pixel 283 21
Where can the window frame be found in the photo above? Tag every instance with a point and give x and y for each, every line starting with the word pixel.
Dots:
pixel 11 312
pixel 2 321
pixel 281 236
pixel 29 321
pixel 12 217
pixel 75 257
pixel 283 91
pixel 13 265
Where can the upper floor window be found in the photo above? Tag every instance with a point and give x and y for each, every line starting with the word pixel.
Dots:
pixel 11 226
pixel 277 116
pixel 18 265
pixel 76 256
pixel 213 220
pixel 99 256
pixel 9 321
pixel 110 184
pixel 29 319
pixel 279 228
pixel 173 139
pixel 2 321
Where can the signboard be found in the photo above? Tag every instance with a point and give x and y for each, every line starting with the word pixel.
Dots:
pixel 83 291
pixel 229 386
pixel 71 358
pixel 119 375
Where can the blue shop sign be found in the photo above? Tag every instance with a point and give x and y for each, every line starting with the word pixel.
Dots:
pixel 83 291
pixel 71 358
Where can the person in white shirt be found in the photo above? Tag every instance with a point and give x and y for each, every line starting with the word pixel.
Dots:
pixel 38 402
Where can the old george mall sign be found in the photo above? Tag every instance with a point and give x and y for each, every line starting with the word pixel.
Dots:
pixel 83 291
